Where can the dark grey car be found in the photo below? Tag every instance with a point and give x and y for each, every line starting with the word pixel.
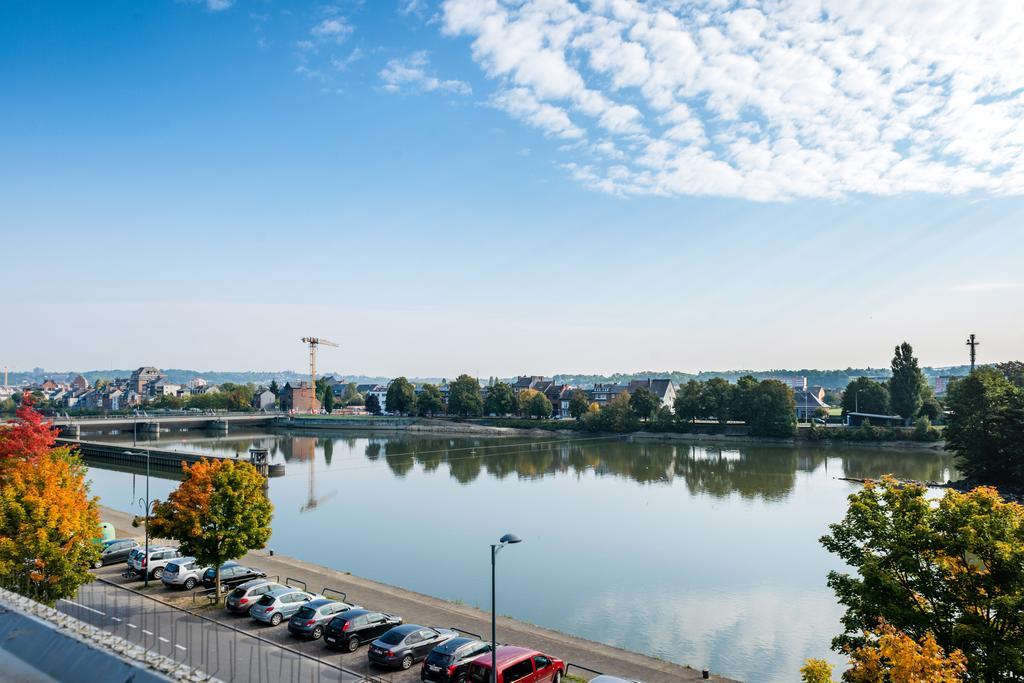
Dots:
pixel 116 550
pixel 310 620
pixel 403 646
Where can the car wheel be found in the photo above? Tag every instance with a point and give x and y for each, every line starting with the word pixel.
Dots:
pixel 158 572
pixel 557 678
pixel 407 661
pixel 190 584
pixel 98 564
pixel 275 620
pixel 353 643
pixel 317 632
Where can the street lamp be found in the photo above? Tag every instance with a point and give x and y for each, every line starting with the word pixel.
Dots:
pixel 505 540
pixel 145 502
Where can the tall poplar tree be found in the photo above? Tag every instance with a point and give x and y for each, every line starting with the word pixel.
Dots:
pixel 906 388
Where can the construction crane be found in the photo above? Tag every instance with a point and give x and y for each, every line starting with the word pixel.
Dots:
pixel 314 342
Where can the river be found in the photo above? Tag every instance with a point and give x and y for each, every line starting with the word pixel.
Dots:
pixel 707 556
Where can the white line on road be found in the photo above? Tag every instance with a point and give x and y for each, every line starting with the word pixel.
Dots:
pixel 179 647
pixel 148 633
pixel 162 639
pixel 96 611
pixel 116 619
pixel 132 626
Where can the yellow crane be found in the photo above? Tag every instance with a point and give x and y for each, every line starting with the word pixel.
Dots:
pixel 314 343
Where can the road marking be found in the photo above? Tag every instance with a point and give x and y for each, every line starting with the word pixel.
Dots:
pixel 116 619
pixel 162 639
pixel 179 647
pixel 148 633
pixel 132 626
pixel 95 611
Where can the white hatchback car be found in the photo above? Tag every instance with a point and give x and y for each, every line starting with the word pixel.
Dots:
pixel 183 572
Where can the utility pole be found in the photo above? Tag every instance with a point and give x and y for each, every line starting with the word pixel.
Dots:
pixel 973 343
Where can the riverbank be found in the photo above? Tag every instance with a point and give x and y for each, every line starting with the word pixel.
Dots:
pixel 424 609
pixel 464 428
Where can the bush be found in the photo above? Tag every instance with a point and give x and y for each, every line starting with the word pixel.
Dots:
pixel 923 430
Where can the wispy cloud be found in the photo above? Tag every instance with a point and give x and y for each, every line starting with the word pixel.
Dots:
pixel 766 101
pixel 410 75
pixel 335 29
pixel 979 287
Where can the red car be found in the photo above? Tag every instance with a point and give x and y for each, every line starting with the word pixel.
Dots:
pixel 517 665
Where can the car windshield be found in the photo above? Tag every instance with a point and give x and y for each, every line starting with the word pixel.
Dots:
pixel 306 613
pixel 266 600
pixel 392 637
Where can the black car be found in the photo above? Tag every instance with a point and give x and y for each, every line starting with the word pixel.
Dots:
pixel 115 550
pixel 403 646
pixel 356 626
pixel 231 574
pixel 449 661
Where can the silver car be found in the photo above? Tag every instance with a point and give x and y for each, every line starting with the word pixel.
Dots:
pixel 280 604
pixel 241 600
pixel 183 572
pixel 155 563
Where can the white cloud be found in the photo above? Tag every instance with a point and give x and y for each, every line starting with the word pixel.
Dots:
pixel 769 100
pixel 982 287
pixel 336 29
pixel 410 75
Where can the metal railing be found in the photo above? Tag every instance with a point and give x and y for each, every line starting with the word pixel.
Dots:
pixel 573 665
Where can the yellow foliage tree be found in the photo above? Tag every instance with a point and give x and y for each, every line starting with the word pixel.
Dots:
pixel 816 671
pixel 891 656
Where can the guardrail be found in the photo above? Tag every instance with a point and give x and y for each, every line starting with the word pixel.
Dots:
pixel 288 580
pixel 343 594
pixel 570 665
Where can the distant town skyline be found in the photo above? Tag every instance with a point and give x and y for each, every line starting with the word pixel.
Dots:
pixel 494 187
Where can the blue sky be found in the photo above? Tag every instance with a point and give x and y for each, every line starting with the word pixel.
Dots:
pixel 503 187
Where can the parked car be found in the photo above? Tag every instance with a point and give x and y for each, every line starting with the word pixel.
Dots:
pixel 183 572
pixel 449 661
pixel 155 563
pixel 242 598
pixel 280 604
pixel 357 626
pixel 231 574
pixel 517 664
pixel 311 618
pixel 405 645
pixel 116 550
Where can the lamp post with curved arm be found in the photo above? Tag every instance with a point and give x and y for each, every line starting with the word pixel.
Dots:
pixel 505 540
pixel 145 504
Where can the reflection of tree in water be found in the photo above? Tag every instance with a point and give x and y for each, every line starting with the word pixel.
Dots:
pixel 918 466
pixel 760 473
pixel 373 451
pixel 328 446
pixel 399 457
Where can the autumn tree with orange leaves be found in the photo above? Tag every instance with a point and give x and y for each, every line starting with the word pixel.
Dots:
pixel 950 570
pixel 48 523
pixel 218 513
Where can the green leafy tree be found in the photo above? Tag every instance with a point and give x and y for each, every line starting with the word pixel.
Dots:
pixel 351 396
pixel 716 399
pixel 615 416
pixel 464 397
pixel 429 402
pixel 579 404
pixel 986 427
pixel 743 396
pixel 218 513
pixel 1013 370
pixel 954 569
pixel 774 410
pixel 540 406
pixel 373 405
pixel 500 399
pixel 644 403
pixel 688 401
pixel 906 388
pixel 866 396
pixel 401 397
pixel 274 389
pixel 327 403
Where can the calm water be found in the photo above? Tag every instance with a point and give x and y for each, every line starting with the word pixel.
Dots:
pixel 704 556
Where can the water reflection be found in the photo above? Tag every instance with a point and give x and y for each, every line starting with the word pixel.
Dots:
pixel 751 472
